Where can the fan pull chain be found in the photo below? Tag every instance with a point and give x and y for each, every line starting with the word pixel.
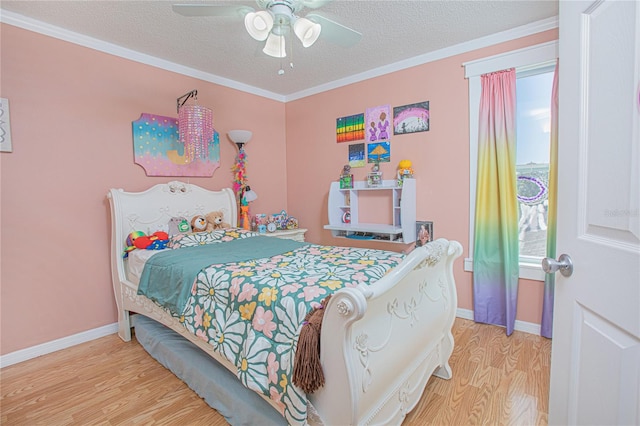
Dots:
pixel 291 50
pixel 281 70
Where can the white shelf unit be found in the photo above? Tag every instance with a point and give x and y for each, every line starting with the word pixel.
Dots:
pixel 403 212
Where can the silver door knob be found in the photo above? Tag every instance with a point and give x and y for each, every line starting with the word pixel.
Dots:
pixel 563 264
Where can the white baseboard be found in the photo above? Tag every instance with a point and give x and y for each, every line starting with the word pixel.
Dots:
pixel 56 345
pixel 526 327
pixel 96 333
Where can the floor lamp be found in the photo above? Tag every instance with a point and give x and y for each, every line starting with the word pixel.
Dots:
pixel 240 184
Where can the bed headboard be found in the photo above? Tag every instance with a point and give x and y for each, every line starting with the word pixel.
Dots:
pixel 149 211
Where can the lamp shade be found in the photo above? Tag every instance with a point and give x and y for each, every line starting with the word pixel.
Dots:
pixel 240 136
pixel 275 46
pixel 250 195
pixel 307 31
pixel 258 24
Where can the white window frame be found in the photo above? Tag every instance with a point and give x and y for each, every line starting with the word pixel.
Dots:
pixel 540 55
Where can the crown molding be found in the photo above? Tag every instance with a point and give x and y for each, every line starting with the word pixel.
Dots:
pixel 479 43
pixel 113 49
pixel 40 27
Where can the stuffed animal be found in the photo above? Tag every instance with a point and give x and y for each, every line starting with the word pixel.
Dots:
pixel 179 225
pixel 199 223
pixel 139 240
pixel 130 242
pixel 156 241
pixel 215 220
pixel 404 169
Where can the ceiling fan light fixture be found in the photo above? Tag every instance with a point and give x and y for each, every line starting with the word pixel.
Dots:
pixel 275 46
pixel 307 31
pixel 258 24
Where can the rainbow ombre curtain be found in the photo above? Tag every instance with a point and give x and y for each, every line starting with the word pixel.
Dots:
pixel 546 324
pixel 495 255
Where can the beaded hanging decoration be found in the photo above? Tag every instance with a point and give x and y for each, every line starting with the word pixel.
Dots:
pixel 196 131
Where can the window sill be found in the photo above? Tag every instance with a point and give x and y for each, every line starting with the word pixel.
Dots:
pixel 528 271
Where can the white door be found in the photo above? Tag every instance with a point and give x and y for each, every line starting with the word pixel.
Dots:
pixel 595 359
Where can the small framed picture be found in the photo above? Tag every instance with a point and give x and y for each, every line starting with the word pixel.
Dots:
pixel 424 232
pixel 5 126
pixel 261 219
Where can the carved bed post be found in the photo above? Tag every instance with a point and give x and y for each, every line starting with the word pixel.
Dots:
pixel 338 399
pixel 384 341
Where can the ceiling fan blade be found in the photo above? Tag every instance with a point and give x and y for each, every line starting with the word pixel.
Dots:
pixel 335 32
pixel 314 4
pixel 211 10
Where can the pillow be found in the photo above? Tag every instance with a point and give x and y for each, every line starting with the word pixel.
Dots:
pixel 213 237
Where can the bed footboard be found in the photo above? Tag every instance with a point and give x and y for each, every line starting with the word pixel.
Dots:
pixel 383 342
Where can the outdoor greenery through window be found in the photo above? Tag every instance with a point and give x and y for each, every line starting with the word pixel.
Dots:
pixel 533 123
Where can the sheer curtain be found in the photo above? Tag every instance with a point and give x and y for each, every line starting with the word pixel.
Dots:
pixel 546 324
pixel 495 255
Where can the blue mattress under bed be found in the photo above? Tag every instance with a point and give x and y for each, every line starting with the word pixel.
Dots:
pixel 211 381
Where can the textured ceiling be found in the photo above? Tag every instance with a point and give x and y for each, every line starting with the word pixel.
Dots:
pixel 392 31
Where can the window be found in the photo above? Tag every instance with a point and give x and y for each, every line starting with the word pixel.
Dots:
pixel 534 66
pixel 533 123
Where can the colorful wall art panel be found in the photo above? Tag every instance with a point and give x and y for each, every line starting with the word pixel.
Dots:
pixel 377 123
pixel 158 151
pixel 350 128
pixel 411 118
pixel 356 155
pixel 379 152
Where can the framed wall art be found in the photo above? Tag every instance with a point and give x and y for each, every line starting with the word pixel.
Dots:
pixel 411 118
pixel 424 232
pixel 157 149
pixel 356 155
pixel 5 126
pixel 377 123
pixel 349 129
pixel 379 152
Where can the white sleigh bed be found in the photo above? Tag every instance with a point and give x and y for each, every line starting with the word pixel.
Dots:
pixel 380 343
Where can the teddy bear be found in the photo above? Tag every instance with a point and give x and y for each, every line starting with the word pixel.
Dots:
pixel 215 220
pixel 199 223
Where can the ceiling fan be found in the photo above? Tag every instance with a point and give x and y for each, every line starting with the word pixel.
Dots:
pixel 276 19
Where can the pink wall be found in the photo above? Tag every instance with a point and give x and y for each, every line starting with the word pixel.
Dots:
pixel 440 156
pixel 71 113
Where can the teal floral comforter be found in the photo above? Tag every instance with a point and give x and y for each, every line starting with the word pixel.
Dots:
pixel 251 311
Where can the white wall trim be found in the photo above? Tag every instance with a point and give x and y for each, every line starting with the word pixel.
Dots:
pixel 525 327
pixel 528 271
pixel 24 22
pixel 522 59
pixel 527 56
pixel 86 336
pixel 56 345
pixel 40 27
pixel 504 36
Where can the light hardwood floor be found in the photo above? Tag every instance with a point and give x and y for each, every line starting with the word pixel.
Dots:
pixel 497 380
